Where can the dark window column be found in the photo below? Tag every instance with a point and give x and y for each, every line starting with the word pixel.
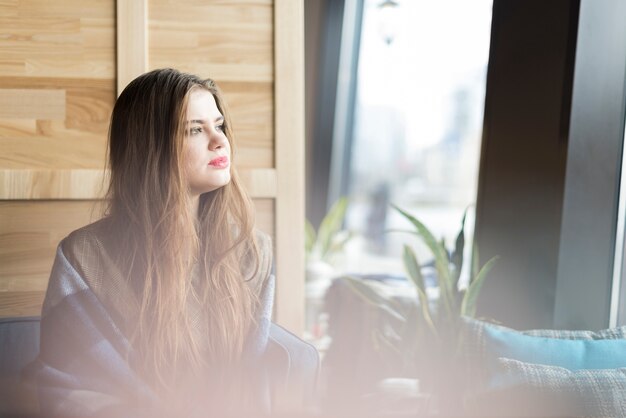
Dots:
pixel 585 273
pixel 523 157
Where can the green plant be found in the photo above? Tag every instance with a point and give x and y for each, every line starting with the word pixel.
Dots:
pixel 403 330
pixel 439 336
pixel 330 238
pixel 424 339
pixel 454 302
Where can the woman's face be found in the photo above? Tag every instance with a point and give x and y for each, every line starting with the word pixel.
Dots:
pixel 206 148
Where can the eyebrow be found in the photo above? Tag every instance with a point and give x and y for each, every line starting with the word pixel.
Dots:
pixel 203 121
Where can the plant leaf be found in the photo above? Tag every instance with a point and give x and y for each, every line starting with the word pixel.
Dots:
pixel 468 306
pixel 373 298
pixel 427 236
pixel 406 231
pixel 415 274
pixel 423 299
pixel 457 256
pixel 339 241
pixel 330 225
pixel 475 262
pixel 413 268
pixel 309 237
pixel 441 260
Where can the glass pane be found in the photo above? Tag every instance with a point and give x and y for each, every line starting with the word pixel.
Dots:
pixel 416 136
pixel 419 111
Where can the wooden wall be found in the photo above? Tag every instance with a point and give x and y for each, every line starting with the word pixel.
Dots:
pixel 62 64
pixel 57 88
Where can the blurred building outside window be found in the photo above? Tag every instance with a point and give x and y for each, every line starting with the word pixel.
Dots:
pixel 417 131
pixel 417 127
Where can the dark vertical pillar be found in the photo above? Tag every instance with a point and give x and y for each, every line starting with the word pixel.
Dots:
pixel 314 11
pixel 523 157
pixel 320 139
pixel 594 159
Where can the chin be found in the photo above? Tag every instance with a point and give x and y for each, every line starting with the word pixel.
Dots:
pixel 223 182
pixel 213 186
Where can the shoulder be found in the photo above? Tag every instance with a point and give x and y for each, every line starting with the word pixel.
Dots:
pixel 83 246
pixel 68 271
pixel 88 251
pixel 87 233
pixel 91 252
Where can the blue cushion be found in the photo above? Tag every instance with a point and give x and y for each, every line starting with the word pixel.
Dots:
pixel 569 354
pixel 546 372
pixel 485 344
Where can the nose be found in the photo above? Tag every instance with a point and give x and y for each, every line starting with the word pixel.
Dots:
pixel 217 141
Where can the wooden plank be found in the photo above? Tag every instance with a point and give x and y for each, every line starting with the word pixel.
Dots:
pixel 25 283
pixel 56 74
pixel 52 147
pixel 89 109
pixel 29 234
pixel 14 66
pixel 52 184
pixel 14 304
pixel 68 8
pixel 252 110
pixel 32 104
pixel 29 26
pixel 18 127
pixel 26 265
pixel 260 183
pixel 132 38
pixel 9 8
pixel 52 67
pixel 230 41
pixel 83 83
pixel 77 141
pixel 264 209
pixel 247 13
pixel 289 156
pixel 42 38
pixel 88 184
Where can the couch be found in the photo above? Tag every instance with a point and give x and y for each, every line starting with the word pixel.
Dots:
pixel 19 345
pixel 294 366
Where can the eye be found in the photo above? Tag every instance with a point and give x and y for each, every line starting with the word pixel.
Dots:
pixel 195 130
pixel 220 128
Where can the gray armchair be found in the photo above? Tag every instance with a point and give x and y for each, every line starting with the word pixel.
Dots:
pixel 293 364
pixel 19 345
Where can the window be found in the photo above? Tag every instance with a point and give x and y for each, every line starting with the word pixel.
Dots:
pixel 417 125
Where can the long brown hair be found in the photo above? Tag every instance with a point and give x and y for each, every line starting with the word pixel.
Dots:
pixel 163 243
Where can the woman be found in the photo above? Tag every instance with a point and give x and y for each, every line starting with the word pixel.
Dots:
pixel 164 305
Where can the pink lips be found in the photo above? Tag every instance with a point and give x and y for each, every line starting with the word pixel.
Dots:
pixel 219 162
